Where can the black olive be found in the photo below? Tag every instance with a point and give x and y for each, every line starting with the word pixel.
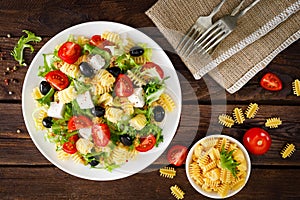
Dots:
pixel 86 69
pixel 136 51
pixel 115 71
pixel 126 140
pixel 45 87
pixel 159 113
pixel 47 122
pixel 98 111
pixel 93 162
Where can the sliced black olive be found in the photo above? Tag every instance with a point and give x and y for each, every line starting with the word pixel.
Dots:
pixel 86 69
pixel 93 162
pixel 115 71
pixel 47 122
pixel 45 87
pixel 98 111
pixel 136 51
pixel 159 113
pixel 126 140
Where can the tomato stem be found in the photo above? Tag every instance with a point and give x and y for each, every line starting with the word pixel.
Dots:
pixel 259 142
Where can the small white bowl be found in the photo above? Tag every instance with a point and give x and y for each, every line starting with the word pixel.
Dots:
pixel 213 194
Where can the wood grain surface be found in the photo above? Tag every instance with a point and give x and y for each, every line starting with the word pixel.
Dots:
pixel 26 174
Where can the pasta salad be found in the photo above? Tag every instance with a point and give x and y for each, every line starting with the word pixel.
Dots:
pixel 102 100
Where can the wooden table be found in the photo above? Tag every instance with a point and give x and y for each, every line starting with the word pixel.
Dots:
pixel 26 174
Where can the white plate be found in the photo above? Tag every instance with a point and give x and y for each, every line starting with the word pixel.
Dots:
pixel 48 149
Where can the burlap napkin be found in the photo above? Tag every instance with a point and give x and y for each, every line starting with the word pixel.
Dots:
pixel 263 32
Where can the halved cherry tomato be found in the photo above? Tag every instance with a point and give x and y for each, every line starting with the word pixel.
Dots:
pixel 69 52
pixel 149 65
pixel 98 41
pixel 271 82
pixel 146 143
pixel 257 141
pixel 177 155
pixel 124 86
pixel 100 134
pixel 78 122
pixel 73 139
pixel 69 147
pixel 57 79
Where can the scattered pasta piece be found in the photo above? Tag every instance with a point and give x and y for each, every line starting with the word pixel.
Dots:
pixel 226 120
pixel 166 102
pixel 167 172
pixel 177 192
pixel 288 150
pixel 251 110
pixel 273 122
pixel 238 115
pixel 296 87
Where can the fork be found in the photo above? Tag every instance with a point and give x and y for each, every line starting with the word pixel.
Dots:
pixel 202 24
pixel 218 31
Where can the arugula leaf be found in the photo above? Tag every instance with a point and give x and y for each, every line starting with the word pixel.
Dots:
pixel 125 62
pixel 81 87
pixel 153 90
pixel 17 52
pixel 45 100
pixel 227 161
pixel 43 70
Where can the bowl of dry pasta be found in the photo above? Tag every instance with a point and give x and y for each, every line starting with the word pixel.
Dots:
pixel 218 166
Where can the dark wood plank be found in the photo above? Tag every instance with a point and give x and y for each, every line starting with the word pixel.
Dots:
pixel 263 184
pixel 50 17
pixel 196 122
pixel 286 66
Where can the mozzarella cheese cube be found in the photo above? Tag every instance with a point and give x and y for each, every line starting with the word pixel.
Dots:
pixel 97 62
pixel 56 110
pixel 137 98
pixel 85 132
pixel 84 100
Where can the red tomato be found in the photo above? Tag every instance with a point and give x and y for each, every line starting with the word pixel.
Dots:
pixel 257 141
pixel 69 52
pixel 78 122
pixel 177 155
pixel 69 147
pixel 73 139
pixel 124 86
pixel 271 82
pixel 57 79
pixel 100 134
pixel 149 65
pixel 146 143
pixel 98 41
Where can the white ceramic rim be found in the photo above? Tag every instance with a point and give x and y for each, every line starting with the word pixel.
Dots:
pixel 47 149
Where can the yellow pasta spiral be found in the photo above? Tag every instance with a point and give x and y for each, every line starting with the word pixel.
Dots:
pixel 71 70
pixel 138 122
pixel 67 95
pixel 166 102
pixel 111 36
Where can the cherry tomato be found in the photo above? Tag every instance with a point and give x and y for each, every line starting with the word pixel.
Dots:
pixel 124 86
pixel 177 155
pixel 149 65
pixel 98 41
pixel 73 139
pixel 78 122
pixel 69 147
pixel 69 52
pixel 271 82
pixel 57 79
pixel 100 134
pixel 257 141
pixel 146 143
